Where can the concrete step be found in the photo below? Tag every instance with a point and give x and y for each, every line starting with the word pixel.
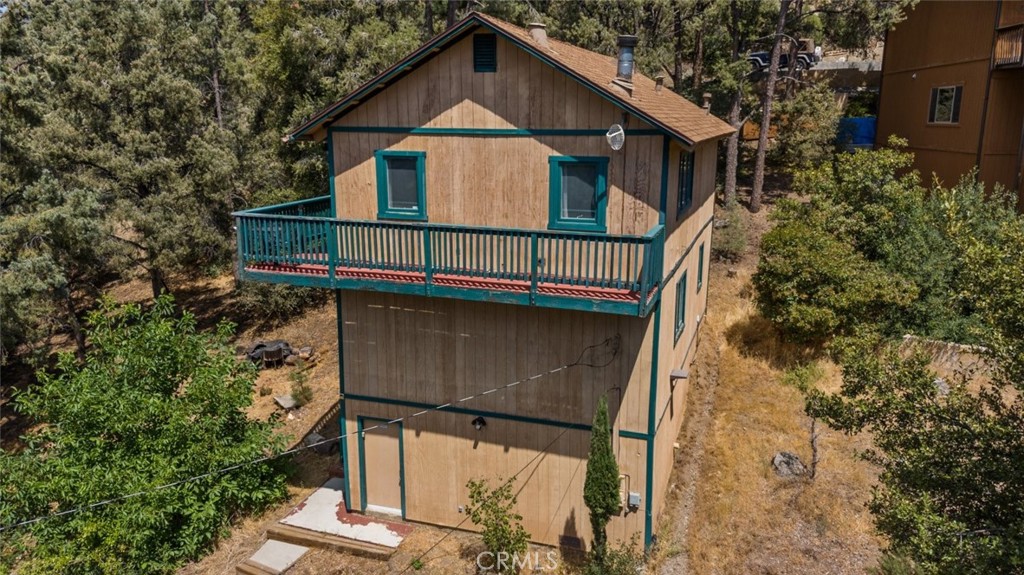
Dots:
pixel 305 537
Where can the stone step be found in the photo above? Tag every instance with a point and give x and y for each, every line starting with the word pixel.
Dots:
pixel 308 538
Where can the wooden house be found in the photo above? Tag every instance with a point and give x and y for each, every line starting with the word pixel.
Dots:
pixel 953 85
pixel 499 263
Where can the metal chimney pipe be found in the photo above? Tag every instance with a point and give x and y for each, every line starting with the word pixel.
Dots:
pixel 538 32
pixel 624 71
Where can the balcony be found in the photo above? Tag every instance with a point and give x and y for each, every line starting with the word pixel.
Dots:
pixel 1009 50
pixel 299 243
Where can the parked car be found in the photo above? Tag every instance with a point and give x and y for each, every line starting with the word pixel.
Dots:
pixel 806 58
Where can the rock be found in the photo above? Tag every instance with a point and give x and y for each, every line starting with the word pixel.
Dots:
pixel 941 387
pixel 285 401
pixel 324 447
pixel 291 360
pixel 787 464
pixel 731 272
pixel 305 352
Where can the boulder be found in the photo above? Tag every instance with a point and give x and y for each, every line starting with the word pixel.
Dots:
pixel 286 402
pixel 305 352
pixel 787 464
pixel 291 360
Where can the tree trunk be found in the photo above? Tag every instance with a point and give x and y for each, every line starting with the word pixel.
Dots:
pixel 698 60
pixel 453 8
pixel 794 50
pixel 766 119
pixel 677 33
pixel 217 110
pixel 732 151
pixel 428 20
pixel 156 282
pixel 74 324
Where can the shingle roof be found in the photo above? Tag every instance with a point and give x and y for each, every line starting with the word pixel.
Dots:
pixel 662 108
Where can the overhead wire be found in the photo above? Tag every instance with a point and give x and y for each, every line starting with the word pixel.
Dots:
pixel 612 341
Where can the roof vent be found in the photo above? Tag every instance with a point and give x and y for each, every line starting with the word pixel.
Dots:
pixel 659 82
pixel 625 67
pixel 707 102
pixel 539 33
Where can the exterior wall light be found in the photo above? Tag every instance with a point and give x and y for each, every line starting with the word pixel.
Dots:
pixel 479 423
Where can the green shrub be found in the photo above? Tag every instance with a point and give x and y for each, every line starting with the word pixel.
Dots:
pixel 622 559
pixel 301 392
pixel 494 511
pixel 807 130
pixel 729 241
pixel 275 303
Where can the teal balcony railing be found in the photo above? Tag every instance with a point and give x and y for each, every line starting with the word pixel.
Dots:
pixel 299 243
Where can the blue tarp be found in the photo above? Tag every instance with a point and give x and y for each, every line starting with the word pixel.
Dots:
pixel 857 132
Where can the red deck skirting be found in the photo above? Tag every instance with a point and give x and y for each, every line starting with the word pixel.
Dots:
pixel 517 286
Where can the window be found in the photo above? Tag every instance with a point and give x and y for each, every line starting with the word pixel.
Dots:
pixel 700 267
pixel 685 182
pixel 485 53
pixel 945 105
pixel 578 193
pixel 680 305
pixel 401 185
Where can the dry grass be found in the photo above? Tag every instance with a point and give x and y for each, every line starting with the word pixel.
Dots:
pixel 745 518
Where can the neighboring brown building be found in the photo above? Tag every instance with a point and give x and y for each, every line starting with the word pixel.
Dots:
pixel 953 85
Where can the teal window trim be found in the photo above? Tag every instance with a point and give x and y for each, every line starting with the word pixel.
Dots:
pixel 685 196
pixel 700 267
pixel 555 219
pixel 485 53
pixel 384 211
pixel 680 323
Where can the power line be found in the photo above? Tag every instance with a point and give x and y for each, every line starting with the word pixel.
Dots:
pixel 612 342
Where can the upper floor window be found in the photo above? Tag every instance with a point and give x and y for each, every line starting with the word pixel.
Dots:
pixel 401 185
pixel 945 105
pixel 685 197
pixel 700 267
pixel 485 53
pixel 680 322
pixel 578 193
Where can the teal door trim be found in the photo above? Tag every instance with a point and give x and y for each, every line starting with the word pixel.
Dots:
pixel 360 420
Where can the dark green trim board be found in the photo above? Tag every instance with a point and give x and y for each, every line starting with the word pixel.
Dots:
pixel 362 459
pixel 633 434
pixel 384 209
pixel 663 201
pixel 652 409
pixel 493 132
pixel 464 411
pixel 555 219
pixel 330 175
pixel 342 421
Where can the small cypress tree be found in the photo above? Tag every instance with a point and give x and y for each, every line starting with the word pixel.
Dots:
pixel 601 488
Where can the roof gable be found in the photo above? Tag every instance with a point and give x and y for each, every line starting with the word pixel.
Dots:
pixel 662 108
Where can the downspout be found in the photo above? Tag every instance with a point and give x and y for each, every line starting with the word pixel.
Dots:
pixel 988 90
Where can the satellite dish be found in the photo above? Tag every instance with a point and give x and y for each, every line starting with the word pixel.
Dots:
pixel 616 137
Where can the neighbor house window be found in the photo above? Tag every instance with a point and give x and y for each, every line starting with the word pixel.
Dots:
pixel 485 53
pixel 945 105
pixel 401 185
pixel 578 193
pixel 680 305
pixel 685 182
pixel 700 267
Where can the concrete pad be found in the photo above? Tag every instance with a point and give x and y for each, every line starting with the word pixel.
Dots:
pixel 278 555
pixel 324 511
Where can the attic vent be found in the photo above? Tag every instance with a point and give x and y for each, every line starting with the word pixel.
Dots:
pixel 485 53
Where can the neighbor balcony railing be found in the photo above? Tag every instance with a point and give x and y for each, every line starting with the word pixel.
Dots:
pixel 299 243
pixel 1009 49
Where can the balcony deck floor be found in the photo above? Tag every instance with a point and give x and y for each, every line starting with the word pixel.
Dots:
pixel 451 280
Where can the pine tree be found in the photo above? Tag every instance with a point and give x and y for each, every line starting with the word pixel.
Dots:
pixel 601 488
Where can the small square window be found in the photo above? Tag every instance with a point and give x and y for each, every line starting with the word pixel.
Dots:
pixel 485 53
pixel 700 267
pixel 685 197
pixel 578 193
pixel 680 322
pixel 945 105
pixel 401 185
